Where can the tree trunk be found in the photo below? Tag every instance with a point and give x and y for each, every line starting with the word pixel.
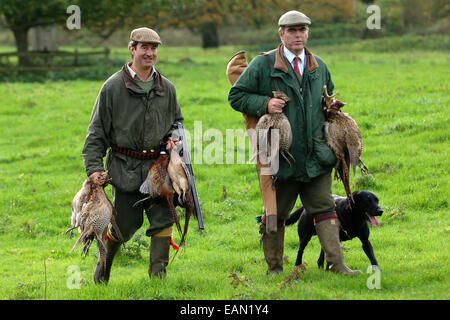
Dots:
pixel 21 37
pixel 413 14
pixel 210 36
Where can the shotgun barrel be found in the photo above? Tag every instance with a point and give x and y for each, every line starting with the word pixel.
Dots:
pixel 187 161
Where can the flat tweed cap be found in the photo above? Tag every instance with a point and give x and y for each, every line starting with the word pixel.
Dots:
pixel 293 18
pixel 145 35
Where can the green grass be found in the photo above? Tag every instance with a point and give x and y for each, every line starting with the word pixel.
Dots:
pixel 400 101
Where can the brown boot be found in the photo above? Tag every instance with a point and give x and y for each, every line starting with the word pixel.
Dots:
pixel 273 245
pixel 328 233
pixel 159 256
pixel 101 273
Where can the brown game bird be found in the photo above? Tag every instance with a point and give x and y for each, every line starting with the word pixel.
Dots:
pixel 158 184
pixel 179 176
pixel 178 172
pixel 275 121
pixel 97 212
pixel 344 137
pixel 78 202
pixel 235 67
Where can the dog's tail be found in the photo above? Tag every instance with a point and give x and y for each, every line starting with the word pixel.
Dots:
pixel 293 218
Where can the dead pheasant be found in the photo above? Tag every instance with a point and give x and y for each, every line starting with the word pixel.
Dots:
pixel 158 184
pixel 344 137
pixel 179 176
pixel 97 212
pixel 178 172
pixel 78 202
pixel 275 121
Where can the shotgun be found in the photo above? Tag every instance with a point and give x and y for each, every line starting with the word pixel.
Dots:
pixel 187 160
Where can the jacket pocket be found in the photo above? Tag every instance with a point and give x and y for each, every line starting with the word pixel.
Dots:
pixel 124 173
pixel 324 154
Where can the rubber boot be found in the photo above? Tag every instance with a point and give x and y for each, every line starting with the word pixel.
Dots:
pixel 101 273
pixel 273 246
pixel 159 256
pixel 328 233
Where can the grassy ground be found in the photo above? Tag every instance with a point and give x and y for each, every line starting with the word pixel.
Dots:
pixel 400 101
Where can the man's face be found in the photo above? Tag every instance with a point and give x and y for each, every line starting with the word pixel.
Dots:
pixel 144 55
pixel 294 38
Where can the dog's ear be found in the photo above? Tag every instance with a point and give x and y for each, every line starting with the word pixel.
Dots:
pixel 356 194
pixel 359 200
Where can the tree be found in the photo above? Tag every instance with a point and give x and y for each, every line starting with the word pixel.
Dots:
pixel 412 15
pixel 101 16
pixel 205 16
pixel 329 11
pixel 104 17
pixel 199 16
pixel 22 15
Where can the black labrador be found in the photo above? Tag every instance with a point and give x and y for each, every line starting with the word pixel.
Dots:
pixel 353 223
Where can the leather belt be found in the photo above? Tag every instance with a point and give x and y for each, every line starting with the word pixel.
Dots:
pixel 142 155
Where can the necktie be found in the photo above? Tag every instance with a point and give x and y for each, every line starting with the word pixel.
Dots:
pixel 296 60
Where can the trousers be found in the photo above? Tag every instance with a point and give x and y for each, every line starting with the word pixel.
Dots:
pixel 316 196
pixel 129 218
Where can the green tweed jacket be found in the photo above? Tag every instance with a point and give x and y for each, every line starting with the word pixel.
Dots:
pixel 125 116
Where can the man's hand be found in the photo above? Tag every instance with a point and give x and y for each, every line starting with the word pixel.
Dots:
pixel 96 178
pixel 275 105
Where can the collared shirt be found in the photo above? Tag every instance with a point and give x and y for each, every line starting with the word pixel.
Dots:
pixel 146 85
pixel 134 74
pixel 290 56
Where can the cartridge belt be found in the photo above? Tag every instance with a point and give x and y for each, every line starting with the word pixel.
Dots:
pixel 142 155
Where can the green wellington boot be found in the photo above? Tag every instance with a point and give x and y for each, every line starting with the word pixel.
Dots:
pixel 159 256
pixel 328 233
pixel 273 246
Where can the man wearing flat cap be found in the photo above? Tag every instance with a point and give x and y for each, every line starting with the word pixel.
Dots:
pixel 130 122
pixel 293 69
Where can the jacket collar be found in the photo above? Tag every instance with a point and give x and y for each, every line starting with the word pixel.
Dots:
pixel 134 74
pixel 130 83
pixel 280 62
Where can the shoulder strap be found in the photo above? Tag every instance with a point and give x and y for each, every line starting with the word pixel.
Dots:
pixel 269 61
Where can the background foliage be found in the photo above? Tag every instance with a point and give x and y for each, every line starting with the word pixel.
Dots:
pixel 333 19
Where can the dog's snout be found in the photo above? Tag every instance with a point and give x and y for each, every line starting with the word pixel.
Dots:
pixel 380 211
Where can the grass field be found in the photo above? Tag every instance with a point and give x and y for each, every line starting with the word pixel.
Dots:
pixel 400 101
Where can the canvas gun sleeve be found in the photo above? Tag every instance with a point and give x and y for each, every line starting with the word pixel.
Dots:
pixel 245 95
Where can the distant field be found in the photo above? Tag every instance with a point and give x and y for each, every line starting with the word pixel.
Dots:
pixel 400 101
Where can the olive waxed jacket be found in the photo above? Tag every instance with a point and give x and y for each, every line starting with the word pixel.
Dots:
pixel 124 115
pixel 251 93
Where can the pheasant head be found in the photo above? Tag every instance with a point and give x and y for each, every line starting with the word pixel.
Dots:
pixel 332 105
